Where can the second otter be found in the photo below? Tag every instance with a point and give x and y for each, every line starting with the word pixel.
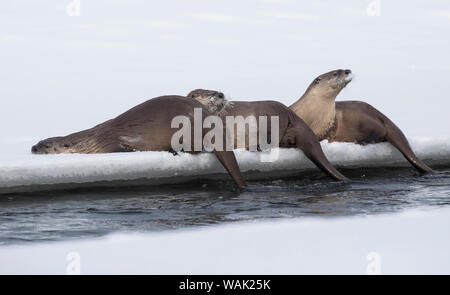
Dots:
pixel 293 132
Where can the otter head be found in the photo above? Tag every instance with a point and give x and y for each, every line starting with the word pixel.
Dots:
pixel 213 100
pixel 54 145
pixel 330 84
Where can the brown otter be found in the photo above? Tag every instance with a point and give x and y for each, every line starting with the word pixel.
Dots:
pixel 146 127
pixel 349 121
pixel 293 132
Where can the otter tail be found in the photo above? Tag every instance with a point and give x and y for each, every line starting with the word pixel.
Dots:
pixel 396 137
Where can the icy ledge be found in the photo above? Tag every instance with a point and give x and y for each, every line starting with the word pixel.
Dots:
pixel 24 169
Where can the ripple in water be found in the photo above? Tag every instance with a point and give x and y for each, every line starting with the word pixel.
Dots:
pixel 60 215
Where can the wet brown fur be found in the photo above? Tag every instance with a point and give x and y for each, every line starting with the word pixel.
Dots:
pixel 353 121
pixel 146 127
pixel 294 133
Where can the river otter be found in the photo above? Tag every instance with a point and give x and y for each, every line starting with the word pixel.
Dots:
pixel 349 121
pixel 146 127
pixel 293 132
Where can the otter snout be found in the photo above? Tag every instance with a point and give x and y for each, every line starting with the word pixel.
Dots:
pixel 340 74
pixel 219 95
pixel 35 149
pixel 343 72
pixel 41 148
pixel 348 75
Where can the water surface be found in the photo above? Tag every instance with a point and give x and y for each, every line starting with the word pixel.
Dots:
pixel 62 215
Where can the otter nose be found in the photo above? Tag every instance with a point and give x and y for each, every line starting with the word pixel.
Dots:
pixel 347 72
pixel 34 149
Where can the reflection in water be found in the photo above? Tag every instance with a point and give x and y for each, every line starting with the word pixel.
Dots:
pixel 86 213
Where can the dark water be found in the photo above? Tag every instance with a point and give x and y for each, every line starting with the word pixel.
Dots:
pixel 63 215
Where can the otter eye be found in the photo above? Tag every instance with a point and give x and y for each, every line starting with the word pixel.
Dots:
pixel 66 145
pixel 335 74
pixel 220 95
pixel 317 80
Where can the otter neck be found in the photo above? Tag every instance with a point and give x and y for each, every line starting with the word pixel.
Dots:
pixel 318 112
pixel 221 112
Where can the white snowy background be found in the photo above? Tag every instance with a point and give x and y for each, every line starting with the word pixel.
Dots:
pixel 60 74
